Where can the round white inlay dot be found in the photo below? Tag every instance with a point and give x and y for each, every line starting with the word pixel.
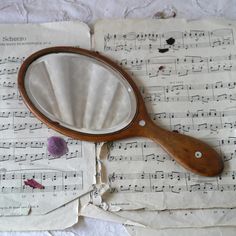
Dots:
pixel 142 122
pixel 198 154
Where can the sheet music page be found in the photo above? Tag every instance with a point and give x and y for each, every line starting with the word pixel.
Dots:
pixel 178 218
pixel 23 138
pixel 186 74
pixel 61 218
pixel 185 218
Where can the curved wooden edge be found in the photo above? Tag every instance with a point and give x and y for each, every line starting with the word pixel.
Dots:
pixel 129 131
pixel 191 153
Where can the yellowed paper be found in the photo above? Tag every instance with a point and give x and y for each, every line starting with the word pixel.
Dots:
pixel 88 209
pixel 137 231
pixel 160 219
pixel 58 219
pixel 181 218
pixel 23 138
pixel 186 74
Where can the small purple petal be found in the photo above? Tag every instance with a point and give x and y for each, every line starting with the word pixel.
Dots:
pixel 33 184
pixel 57 146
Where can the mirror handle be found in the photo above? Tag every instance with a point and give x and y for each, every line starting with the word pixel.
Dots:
pixel 189 152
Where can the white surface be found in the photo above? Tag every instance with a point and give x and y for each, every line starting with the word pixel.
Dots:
pixel 22 11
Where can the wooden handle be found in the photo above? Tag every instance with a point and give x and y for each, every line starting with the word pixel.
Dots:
pixel 191 153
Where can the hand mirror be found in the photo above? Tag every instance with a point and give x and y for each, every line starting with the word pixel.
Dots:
pixel 86 96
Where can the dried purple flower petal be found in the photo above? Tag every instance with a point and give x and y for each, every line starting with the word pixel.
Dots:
pixel 57 146
pixel 33 184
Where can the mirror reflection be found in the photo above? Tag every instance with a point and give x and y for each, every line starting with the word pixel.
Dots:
pixel 80 93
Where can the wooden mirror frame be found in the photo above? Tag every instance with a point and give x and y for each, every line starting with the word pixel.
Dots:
pixel 191 153
pixel 123 133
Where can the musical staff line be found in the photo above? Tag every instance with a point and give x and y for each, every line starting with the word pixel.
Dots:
pixel 169 66
pixel 177 181
pixel 215 142
pixel 33 144
pixel 53 175
pixel 173 175
pixel 157 158
pixel 38 156
pixel 151 41
pixel 12 71
pixel 16 114
pixel 166 60
pixel 9 59
pixel 191 114
pixel 11 151
pixel 52 181
pixel 131 188
pixel 219 85
pixel 154 97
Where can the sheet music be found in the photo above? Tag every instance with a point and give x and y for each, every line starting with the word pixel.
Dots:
pixel 23 138
pixel 158 220
pixel 180 218
pixel 61 218
pixel 185 72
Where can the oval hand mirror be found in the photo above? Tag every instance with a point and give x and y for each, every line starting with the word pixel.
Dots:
pixel 86 96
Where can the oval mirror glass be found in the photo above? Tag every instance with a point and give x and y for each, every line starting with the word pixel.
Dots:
pixel 80 93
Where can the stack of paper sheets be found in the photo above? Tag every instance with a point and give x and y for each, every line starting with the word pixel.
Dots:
pixel 23 140
pixel 189 89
